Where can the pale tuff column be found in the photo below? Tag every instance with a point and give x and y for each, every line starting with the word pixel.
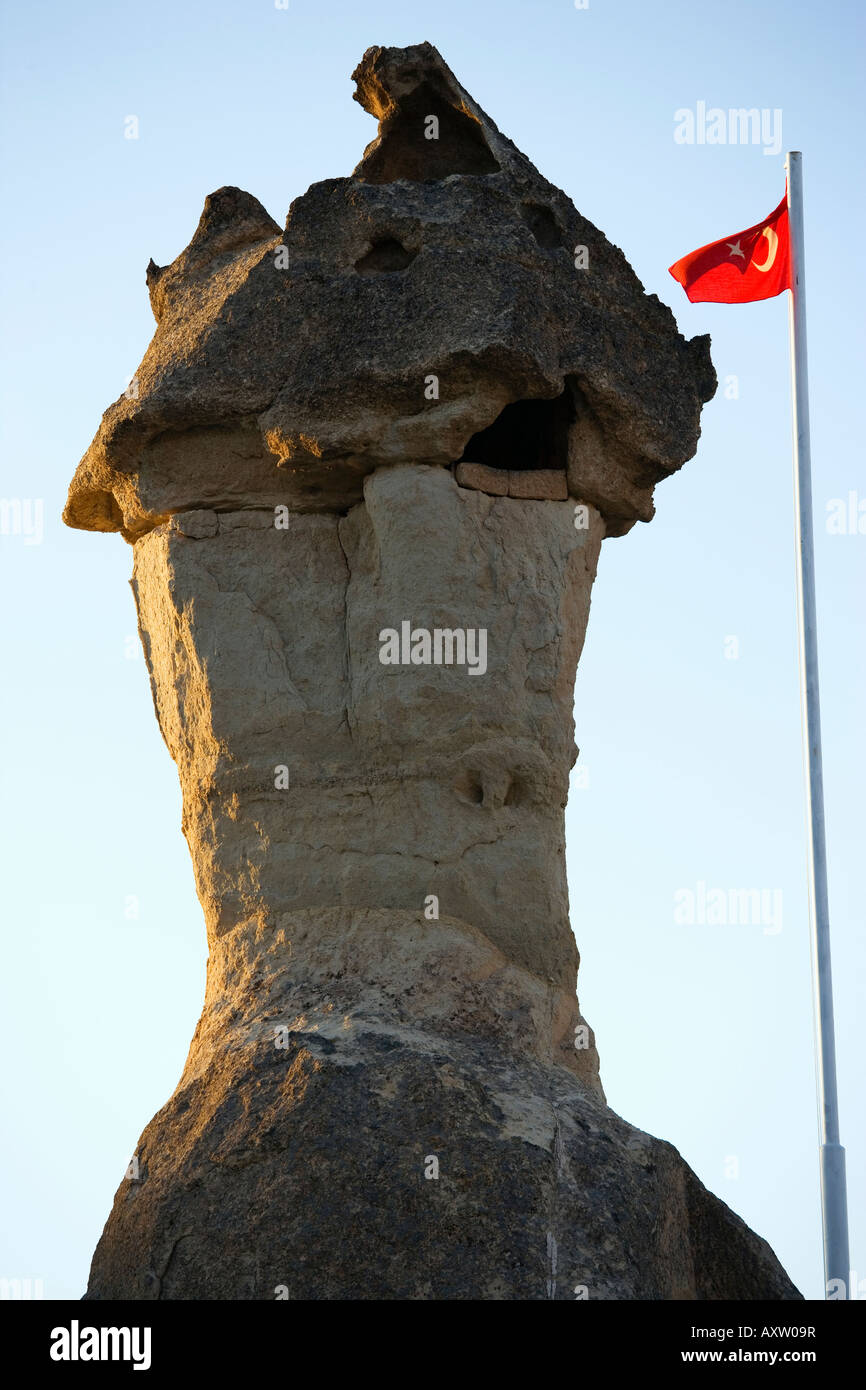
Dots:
pixel 405 782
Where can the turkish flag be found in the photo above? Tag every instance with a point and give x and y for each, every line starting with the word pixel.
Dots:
pixel 755 264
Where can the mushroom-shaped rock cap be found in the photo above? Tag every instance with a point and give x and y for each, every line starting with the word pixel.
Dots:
pixel 444 303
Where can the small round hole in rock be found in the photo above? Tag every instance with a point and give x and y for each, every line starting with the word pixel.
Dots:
pixel 470 787
pixel 542 224
pixel 384 255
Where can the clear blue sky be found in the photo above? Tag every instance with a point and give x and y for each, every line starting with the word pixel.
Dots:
pixel 694 763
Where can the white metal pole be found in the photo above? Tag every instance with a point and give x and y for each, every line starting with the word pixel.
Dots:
pixel 833 1189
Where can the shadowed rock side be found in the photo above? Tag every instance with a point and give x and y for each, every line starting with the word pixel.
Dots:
pixel 391 1092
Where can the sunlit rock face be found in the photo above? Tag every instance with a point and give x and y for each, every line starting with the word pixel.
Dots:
pixel 367 466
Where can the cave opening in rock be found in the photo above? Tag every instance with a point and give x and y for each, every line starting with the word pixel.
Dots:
pixel 543 225
pixel 526 434
pixel 428 139
pixel 385 254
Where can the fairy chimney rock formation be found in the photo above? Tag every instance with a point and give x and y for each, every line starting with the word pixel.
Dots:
pixel 366 466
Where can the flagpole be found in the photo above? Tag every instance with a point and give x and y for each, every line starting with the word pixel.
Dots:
pixel 834 1204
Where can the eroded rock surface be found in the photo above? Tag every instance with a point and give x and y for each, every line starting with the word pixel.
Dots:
pixel 362 601
pixel 309 347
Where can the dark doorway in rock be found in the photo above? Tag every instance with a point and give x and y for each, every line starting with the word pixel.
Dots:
pixel 526 434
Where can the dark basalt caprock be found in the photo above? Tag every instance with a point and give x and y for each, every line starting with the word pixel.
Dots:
pixel 366 466
pixel 445 255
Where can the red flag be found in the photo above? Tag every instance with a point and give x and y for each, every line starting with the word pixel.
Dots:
pixel 755 264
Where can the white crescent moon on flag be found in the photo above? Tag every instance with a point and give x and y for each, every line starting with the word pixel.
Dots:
pixel 772 248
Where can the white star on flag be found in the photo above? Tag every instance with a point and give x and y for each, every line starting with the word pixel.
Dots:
pixel 735 249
